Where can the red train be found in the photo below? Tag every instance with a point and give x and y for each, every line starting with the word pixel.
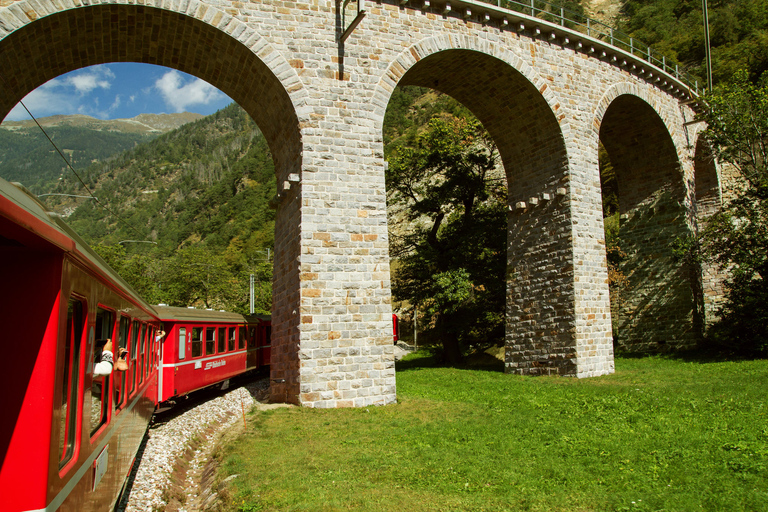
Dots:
pixel 69 437
pixel 205 347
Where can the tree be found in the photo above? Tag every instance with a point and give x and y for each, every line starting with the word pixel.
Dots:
pixel 451 263
pixel 737 237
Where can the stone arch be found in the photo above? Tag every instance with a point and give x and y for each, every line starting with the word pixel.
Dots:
pixel 40 40
pixel 707 181
pixel 656 308
pixel 460 67
pixel 708 200
pixel 45 41
pixel 523 116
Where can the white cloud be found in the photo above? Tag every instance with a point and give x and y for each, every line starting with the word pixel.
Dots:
pixel 48 99
pixel 179 95
pixel 115 104
pixel 66 95
pixel 94 77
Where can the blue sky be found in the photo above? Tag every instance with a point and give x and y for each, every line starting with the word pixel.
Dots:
pixel 121 90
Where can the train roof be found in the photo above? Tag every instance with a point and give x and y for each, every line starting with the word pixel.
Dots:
pixel 33 225
pixel 169 313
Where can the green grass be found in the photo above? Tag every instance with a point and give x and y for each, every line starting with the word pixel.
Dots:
pixel 659 434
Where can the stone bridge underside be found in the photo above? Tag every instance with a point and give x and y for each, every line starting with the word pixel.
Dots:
pixel 547 102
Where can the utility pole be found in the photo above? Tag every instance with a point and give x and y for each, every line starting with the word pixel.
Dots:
pixel 707 49
pixel 252 287
pixel 415 328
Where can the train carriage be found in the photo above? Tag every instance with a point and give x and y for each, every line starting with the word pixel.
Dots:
pixel 259 341
pixel 68 437
pixel 200 348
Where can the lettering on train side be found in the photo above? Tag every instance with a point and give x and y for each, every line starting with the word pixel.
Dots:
pixel 215 364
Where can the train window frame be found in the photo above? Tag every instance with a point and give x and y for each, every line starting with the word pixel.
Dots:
pixel 153 345
pixel 242 333
pixel 182 343
pixel 72 385
pixel 231 339
pixel 142 356
pixel 196 342
pixel 151 350
pixel 211 340
pixel 221 340
pixel 123 342
pixel 104 381
pixel 134 353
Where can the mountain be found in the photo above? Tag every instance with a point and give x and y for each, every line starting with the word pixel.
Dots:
pixel 141 124
pixel 27 156
pixel 185 217
pixel 187 185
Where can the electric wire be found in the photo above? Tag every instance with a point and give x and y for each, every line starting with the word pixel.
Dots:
pixel 71 168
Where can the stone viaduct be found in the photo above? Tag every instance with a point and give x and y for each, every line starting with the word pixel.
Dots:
pixel 547 95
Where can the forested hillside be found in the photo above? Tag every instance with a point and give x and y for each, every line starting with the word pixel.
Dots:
pixel 738 33
pixel 27 156
pixel 185 218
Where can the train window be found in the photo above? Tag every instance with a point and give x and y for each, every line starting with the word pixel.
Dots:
pixel 142 352
pixel 182 342
pixel 222 339
pixel 121 377
pixel 210 340
pixel 105 325
pixel 151 351
pixel 155 345
pixel 197 341
pixel 70 380
pixel 243 336
pixel 251 337
pixel 231 343
pixel 134 355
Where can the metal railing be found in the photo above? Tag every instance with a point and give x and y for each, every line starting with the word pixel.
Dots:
pixel 596 30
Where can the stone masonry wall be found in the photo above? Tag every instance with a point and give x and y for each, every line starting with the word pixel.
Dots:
pixel 656 308
pixel 321 105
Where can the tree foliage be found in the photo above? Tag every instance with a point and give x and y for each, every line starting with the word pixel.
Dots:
pixel 201 193
pixel 451 262
pixel 738 33
pixel 736 238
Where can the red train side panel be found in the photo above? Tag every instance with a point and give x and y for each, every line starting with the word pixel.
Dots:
pixel 200 348
pixel 65 442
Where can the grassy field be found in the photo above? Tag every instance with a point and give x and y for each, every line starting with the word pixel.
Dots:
pixel 659 434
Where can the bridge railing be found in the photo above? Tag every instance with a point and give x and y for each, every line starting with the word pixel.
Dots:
pixel 607 35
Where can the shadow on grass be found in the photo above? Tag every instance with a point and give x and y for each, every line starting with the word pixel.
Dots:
pixel 696 355
pixel 429 359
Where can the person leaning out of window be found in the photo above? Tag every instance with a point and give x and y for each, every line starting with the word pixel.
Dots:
pixel 104 365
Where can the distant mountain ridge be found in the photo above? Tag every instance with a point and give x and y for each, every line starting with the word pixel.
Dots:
pixel 141 124
pixel 27 156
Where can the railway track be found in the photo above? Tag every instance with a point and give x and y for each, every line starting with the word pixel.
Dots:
pixel 178 443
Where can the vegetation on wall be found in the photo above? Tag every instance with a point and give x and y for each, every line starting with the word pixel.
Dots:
pixel 736 237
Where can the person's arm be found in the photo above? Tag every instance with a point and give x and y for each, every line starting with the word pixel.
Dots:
pixel 104 367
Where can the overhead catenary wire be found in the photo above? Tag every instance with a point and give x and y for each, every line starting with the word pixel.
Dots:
pixel 71 168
